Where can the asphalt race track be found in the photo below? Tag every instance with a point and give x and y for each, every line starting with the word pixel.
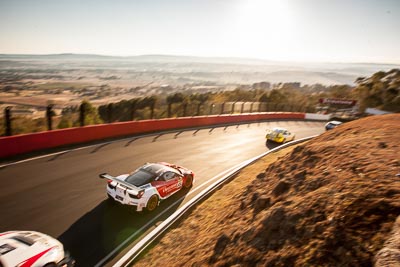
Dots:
pixel 61 194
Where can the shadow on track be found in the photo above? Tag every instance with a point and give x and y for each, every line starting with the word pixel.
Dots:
pixel 99 147
pixel 156 138
pixel 131 141
pixel 271 145
pixel 195 132
pixel 58 155
pixel 100 231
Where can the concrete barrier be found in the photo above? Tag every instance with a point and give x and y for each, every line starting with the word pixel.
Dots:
pixel 320 117
pixel 20 144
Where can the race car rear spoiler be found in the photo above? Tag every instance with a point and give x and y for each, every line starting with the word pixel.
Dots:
pixel 135 190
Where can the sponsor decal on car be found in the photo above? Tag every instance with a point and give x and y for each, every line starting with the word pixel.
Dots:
pixel 180 182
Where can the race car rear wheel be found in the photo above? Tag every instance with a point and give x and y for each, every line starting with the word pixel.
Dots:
pixel 188 182
pixel 152 203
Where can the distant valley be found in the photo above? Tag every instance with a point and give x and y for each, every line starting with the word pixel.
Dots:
pixel 181 70
pixel 31 82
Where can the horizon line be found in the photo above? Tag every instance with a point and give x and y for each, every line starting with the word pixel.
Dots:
pixel 202 57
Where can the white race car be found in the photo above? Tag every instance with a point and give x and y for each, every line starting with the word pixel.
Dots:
pixel 29 248
pixel 332 124
pixel 147 186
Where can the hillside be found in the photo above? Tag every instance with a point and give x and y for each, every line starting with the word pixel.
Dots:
pixel 331 201
pixel 381 90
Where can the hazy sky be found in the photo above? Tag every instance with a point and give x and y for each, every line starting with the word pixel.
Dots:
pixel 300 30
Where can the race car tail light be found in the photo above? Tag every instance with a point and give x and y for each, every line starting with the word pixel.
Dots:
pixel 138 195
pixel 110 185
pixel 132 195
pixel 141 193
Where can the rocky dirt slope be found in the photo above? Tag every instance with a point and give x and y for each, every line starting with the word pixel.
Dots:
pixel 332 201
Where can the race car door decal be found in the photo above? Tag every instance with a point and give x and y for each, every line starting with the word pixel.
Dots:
pixel 170 184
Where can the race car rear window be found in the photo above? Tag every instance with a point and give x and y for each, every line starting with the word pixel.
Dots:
pixel 140 177
pixel 24 240
pixel 5 248
pixel 154 168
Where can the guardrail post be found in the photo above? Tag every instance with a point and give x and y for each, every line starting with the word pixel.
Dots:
pixel 7 121
pixel 109 113
pixel 251 107
pixel 211 109
pixel 242 108
pixel 82 111
pixel 133 110
pixel 222 108
pixel 198 109
pixel 184 109
pixel 152 105
pixel 169 110
pixel 233 107
pixel 49 117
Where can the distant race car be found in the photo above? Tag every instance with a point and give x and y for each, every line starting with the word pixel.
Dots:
pixel 148 185
pixel 279 135
pixel 29 248
pixel 332 124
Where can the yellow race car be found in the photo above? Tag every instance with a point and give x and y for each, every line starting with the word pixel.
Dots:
pixel 279 135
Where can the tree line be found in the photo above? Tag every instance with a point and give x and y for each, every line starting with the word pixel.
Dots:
pixel 381 90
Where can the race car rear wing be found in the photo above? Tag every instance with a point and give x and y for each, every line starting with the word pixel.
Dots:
pixel 135 190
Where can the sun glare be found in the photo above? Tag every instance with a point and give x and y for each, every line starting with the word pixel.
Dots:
pixel 263 23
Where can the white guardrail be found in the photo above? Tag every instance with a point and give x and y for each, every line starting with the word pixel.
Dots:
pixel 133 253
pixel 321 117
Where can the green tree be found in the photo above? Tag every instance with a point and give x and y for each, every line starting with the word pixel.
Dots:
pixel 91 115
pixel 276 96
pixel 263 98
pixel 65 122
pixel 341 91
pixel 173 99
